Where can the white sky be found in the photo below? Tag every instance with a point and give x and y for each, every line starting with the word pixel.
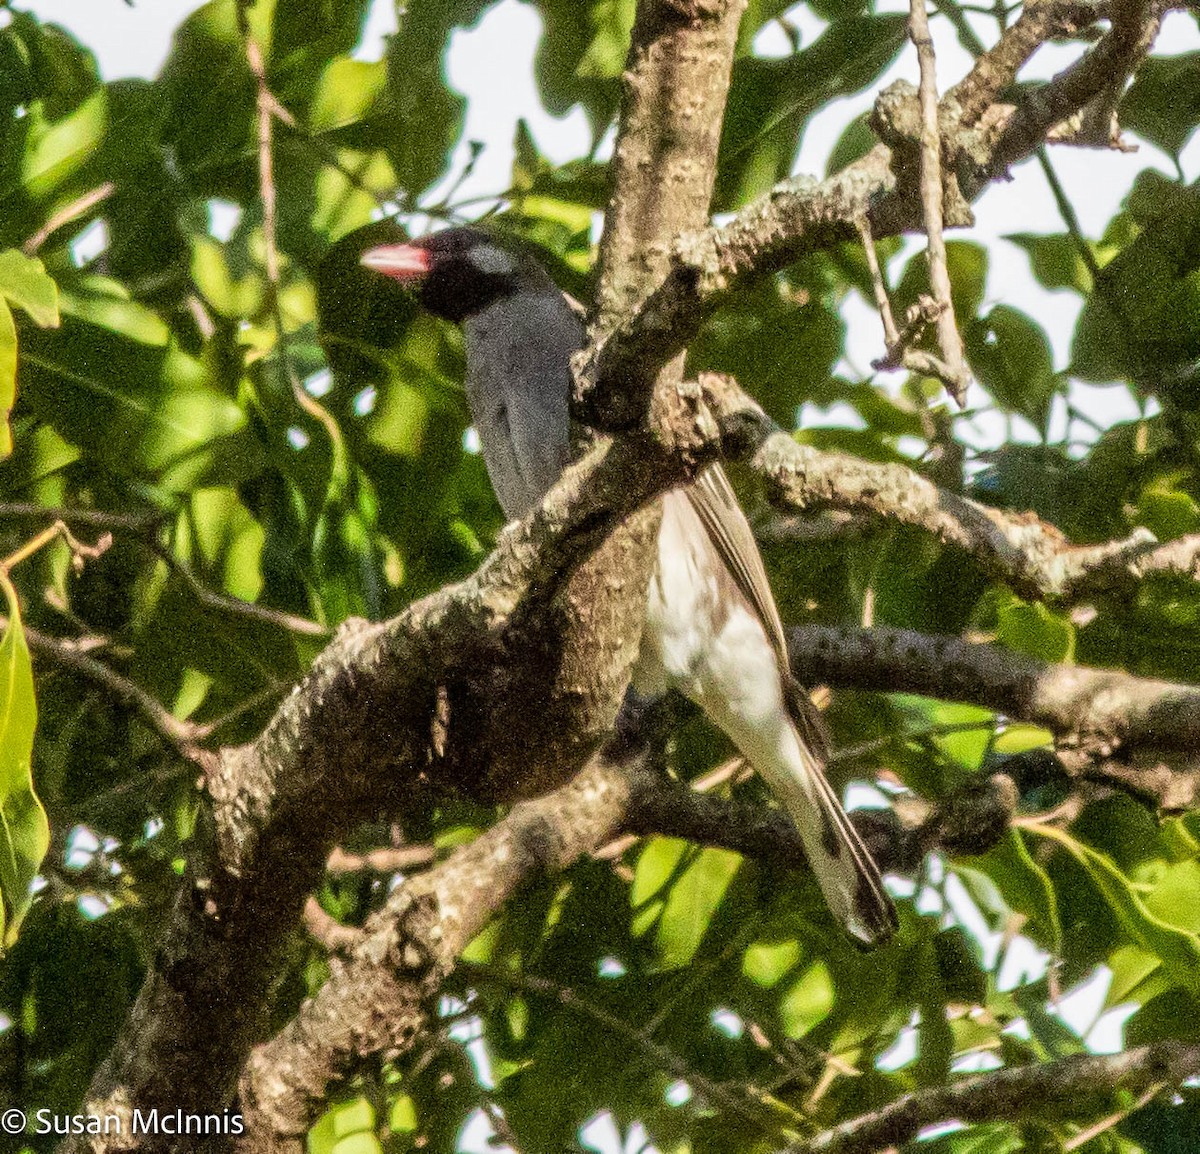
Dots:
pixel 492 64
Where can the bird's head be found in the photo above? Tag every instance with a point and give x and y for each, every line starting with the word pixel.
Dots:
pixel 457 272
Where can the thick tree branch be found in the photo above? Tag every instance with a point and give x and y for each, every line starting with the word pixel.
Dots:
pixel 1066 1086
pixel 380 1001
pixel 1134 26
pixel 1030 555
pixel 1099 711
pixel 996 70
pixel 353 740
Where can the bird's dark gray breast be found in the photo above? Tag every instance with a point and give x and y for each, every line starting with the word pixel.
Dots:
pixel 518 387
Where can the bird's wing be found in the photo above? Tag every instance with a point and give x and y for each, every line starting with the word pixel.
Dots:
pixel 717 506
pixel 518 386
pixel 845 870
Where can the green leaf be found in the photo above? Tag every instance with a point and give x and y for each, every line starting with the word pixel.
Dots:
pixel 1011 356
pixel 1025 887
pixel 344 1123
pixel 1168 512
pixel 693 900
pixel 770 101
pixel 107 303
pixel 233 297
pixel 765 963
pixel 1037 631
pixel 24 831
pixel 1020 738
pixel 8 375
pixel 421 117
pixel 403 1115
pixel 56 150
pixel 856 141
pixel 992 1138
pixel 1174 898
pixel 26 284
pixel 1055 260
pixel 1178 948
pixel 807 1001
pixel 1143 314
pixel 656 865
pixel 347 93
pixel 142 410
pixel 1163 103
pixel 581 55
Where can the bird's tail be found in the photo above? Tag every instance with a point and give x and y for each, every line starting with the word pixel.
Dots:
pixel 844 868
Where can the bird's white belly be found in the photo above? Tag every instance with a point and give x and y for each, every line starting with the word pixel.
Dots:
pixel 681 605
pixel 701 637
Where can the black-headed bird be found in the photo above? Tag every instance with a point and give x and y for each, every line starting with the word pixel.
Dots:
pixel 712 629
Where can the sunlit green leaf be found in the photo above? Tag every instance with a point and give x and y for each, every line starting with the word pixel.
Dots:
pixel 692 901
pixel 24 281
pixel 1178 948
pixel 24 831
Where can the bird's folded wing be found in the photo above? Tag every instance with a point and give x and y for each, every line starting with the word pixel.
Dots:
pixel 717 506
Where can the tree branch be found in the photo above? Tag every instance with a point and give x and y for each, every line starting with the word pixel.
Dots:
pixel 1012 1095
pixel 951 369
pixel 379 1002
pixel 1099 711
pixel 1030 555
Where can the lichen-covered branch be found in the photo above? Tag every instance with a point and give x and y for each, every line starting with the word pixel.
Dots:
pixel 1134 26
pixel 1033 557
pixel 1099 711
pixel 1069 1085
pixel 996 70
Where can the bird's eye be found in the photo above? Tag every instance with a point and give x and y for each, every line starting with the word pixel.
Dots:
pixel 492 261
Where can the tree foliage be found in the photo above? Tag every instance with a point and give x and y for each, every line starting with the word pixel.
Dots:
pixel 266 473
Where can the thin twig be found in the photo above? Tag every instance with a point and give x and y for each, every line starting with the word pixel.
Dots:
pixel 501 1125
pixel 891 335
pixel 330 934
pixel 268 108
pixel 143 527
pixel 956 377
pixel 1010 1093
pixel 327 152
pixel 66 214
pixel 79 551
pixel 385 860
pixel 1067 211
pixel 1115 1118
pixel 667 1058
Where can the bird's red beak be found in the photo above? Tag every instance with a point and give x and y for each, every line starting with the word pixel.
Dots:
pixel 402 262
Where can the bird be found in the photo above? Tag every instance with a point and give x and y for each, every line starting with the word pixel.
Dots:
pixel 712 630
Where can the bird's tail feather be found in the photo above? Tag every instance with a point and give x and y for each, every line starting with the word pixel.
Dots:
pixel 844 868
